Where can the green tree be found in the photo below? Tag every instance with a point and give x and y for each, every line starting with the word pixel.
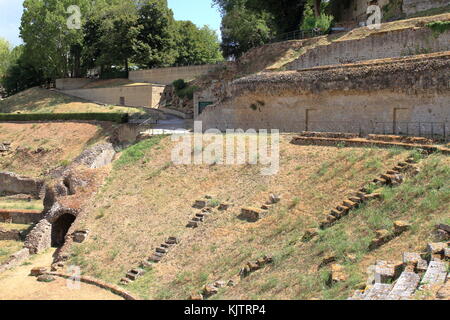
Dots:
pixel 156 39
pixel 196 46
pixel 21 75
pixel 49 43
pixel 5 56
pixel 270 18
pixel 243 29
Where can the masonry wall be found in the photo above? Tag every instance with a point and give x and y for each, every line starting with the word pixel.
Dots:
pixel 414 6
pixel 71 83
pixel 404 96
pixel 20 216
pixel 380 45
pixel 168 75
pixel 10 183
pixel 134 96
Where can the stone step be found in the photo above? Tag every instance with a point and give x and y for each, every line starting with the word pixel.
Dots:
pixel 344 209
pixel 336 213
pixel 415 259
pixel 379 291
pixel 405 286
pixel 200 215
pixel 172 240
pixel 192 224
pixel 197 219
pixel 435 274
pixel 350 204
pixel 155 258
pixel 161 250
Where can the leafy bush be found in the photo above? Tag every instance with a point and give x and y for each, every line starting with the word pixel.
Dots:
pixel 311 22
pixel 106 116
pixel 179 84
pixel 439 27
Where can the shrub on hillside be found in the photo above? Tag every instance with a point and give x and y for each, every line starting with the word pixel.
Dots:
pixel 179 84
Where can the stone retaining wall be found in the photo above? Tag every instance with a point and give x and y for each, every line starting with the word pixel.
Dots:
pixel 414 6
pixel 11 183
pixel 20 216
pixel 392 44
pixel 10 235
pixel 406 95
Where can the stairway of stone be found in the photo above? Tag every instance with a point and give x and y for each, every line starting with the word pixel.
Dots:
pixel 400 281
pixel 158 255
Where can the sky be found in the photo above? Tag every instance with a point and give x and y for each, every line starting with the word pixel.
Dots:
pixel 198 11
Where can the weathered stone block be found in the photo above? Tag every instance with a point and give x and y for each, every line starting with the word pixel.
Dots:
pixel 379 291
pixel 386 272
pixel 45 278
pixel 401 227
pixel 435 274
pixel 196 297
pixel 200 204
pixel 38 271
pixel 405 286
pixel 436 248
pixel 80 236
pixel 192 224
pixel 337 274
pixel 251 214
pixel 274 198
pixel 224 206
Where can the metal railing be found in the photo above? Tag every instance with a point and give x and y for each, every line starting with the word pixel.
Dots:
pixel 297 35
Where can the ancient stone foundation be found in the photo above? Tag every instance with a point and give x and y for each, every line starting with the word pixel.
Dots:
pixel 11 183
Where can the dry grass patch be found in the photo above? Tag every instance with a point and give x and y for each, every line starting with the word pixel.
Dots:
pixel 38 100
pixel 37 148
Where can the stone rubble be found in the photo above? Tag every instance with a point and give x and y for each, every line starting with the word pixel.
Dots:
pixel 400 281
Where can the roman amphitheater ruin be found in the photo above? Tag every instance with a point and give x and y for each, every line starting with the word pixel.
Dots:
pixel 367 91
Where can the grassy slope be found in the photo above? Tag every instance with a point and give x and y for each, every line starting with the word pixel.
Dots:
pixel 59 143
pixel 37 100
pixel 147 199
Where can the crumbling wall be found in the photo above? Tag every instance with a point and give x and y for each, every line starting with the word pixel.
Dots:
pixel 10 235
pixel 20 216
pixel 39 239
pixel 380 45
pixel 96 156
pixel 414 6
pixel 11 183
pixel 354 98
pixel 15 260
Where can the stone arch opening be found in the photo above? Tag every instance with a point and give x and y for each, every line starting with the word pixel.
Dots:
pixel 60 228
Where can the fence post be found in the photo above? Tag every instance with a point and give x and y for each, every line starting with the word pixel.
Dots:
pixel 444 131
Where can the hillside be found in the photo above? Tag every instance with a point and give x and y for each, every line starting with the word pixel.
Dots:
pixel 37 148
pixel 128 220
pixel 38 100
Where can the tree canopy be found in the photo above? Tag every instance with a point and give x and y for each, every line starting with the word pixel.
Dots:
pixel 112 35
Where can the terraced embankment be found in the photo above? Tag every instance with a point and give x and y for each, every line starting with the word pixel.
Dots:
pixel 148 199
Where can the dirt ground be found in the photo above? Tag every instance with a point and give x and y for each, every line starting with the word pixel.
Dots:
pixel 16 284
